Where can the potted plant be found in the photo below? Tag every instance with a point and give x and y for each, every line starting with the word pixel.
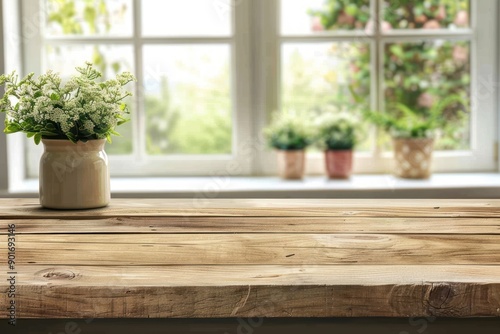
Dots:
pixel 290 134
pixel 73 121
pixel 337 135
pixel 413 134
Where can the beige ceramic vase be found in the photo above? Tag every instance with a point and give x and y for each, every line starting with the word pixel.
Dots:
pixel 291 164
pixel 74 176
pixel 338 163
pixel 413 157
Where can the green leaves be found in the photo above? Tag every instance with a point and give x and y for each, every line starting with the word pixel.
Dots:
pixel 12 127
pixel 402 121
pixel 71 137
pixel 343 14
pixel 397 50
pixel 116 66
pixel 89 15
pixel 351 9
pixel 37 138
pixel 123 121
pixel 337 131
pixel 44 109
pixel 289 131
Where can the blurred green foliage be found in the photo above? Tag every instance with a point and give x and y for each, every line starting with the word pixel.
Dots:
pixel 419 74
pixel 65 14
pixel 67 17
pixel 427 14
pixel 79 17
pixel 403 122
pixel 199 123
pixel 337 131
pixel 343 14
pixel 289 130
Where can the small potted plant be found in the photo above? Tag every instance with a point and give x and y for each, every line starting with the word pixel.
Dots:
pixel 413 134
pixel 337 136
pixel 73 121
pixel 290 134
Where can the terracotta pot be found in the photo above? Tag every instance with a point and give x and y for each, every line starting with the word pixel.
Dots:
pixel 413 157
pixel 291 164
pixel 74 176
pixel 338 163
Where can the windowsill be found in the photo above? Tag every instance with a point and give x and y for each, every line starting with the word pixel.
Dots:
pixel 452 185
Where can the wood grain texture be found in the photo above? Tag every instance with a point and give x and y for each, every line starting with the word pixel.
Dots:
pixel 256 258
pixel 198 249
pixel 29 208
pixel 257 291
pixel 251 225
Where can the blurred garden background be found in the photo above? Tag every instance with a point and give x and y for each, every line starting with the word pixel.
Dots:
pixel 187 93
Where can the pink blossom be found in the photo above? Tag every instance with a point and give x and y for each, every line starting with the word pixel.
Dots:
pixel 432 24
pixel 316 24
pixel 385 27
pixel 425 100
pixel 462 18
pixel 346 19
pixel 421 19
pixel 460 54
pixel 441 15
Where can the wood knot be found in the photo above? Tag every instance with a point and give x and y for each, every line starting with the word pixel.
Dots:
pixel 448 299
pixel 439 295
pixel 57 274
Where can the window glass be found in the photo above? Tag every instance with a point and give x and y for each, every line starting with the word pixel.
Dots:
pixel 316 16
pixel 88 17
pixel 319 76
pixel 187 17
pixel 426 14
pixel 187 99
pixel 420 75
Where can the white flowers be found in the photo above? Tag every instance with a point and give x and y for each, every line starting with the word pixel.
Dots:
pixel 81 109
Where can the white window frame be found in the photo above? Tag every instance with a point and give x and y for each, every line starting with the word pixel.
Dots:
pixel 483 36
pixel 256 75
pixel 139 163
pixel 4 175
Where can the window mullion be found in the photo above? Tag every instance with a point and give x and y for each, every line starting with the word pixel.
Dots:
pixel 266 76
pixel 376 70
pixel 139 130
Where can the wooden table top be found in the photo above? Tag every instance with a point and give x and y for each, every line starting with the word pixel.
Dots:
pixel 199 258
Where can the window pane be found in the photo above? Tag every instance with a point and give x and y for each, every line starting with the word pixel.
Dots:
pixel 187 17
pixel 420 75
pixel 110 60
pixel 428 14
pixel 307 16
pixel 88 17
pixel 318 75
pixel 188 99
